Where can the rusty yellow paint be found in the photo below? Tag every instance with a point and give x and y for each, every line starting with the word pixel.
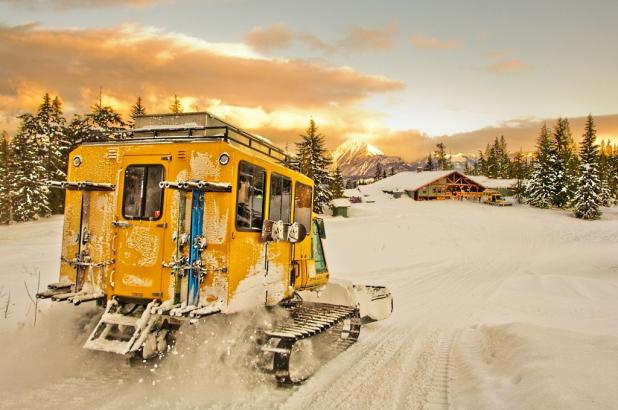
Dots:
pixel 241 270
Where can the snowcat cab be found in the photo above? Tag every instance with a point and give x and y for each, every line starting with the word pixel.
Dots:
pixel 493 197
pixel 191 217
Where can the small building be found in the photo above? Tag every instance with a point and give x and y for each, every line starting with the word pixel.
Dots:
pixel 340 206
pixel 506 187
pixel 429 185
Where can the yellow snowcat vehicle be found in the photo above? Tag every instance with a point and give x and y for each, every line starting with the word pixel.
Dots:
pixel 190 217
pixel 493 197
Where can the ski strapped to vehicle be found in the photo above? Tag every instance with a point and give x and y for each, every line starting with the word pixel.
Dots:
pixel 337 326
pixel 191 266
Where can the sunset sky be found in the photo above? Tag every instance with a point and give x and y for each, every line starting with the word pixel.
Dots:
pixel 392 72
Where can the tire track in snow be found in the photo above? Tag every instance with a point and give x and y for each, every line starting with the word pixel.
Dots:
pixel 439 397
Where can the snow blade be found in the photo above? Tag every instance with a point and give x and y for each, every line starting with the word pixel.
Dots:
pixel 374 302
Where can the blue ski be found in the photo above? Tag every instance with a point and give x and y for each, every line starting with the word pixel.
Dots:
pixel 196 242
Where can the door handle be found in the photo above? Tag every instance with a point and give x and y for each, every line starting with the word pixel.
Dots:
pixel 163 225
pixel 121 224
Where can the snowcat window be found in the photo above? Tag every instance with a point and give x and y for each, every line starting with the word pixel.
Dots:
pixel 280 198
pixel 142 197
pixel 318 251
pixel 250 197
pixel 302 205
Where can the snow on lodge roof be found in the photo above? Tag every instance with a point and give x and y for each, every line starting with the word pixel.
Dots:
pixel 493 183
pixel 410 180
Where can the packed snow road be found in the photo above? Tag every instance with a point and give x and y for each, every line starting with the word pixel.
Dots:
pixel 494 308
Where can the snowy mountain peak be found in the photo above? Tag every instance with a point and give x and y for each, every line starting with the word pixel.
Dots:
pixel 354 148
pixel 358 159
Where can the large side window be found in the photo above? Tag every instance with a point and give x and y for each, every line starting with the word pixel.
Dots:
pixel 302 205
pixel 250 197
pixel 142 197
pixel 318 251
pixel 280 198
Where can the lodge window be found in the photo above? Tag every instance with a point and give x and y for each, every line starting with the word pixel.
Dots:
pixel 142 197
pixel 302 205
pixel 280 198
pixel 250 197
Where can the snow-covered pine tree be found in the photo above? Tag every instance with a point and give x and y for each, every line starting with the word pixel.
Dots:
pixel 588 193
pixel 27 173
pixel 5 187
pixel 51 130
pixel 101 124
pixel 429 163
pixel 337 184
pixel 481 165
pixel 566 164
pixel 502 158
pixel 606 175
pixel 136 110
pixel 519 171
pixel 314 162
pixel 176 106
pixel 541 184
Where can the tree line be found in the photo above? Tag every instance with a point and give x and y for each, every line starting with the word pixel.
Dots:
pixel 39 151
pixel 557 174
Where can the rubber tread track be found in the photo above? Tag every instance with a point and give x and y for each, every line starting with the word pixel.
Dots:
pixel 340 324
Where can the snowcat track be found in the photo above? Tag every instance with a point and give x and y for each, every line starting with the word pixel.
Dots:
pixel 340 325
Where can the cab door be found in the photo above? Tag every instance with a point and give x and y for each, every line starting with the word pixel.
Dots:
pixel 141 224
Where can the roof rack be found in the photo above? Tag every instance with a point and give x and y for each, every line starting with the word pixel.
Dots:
pixel 197 126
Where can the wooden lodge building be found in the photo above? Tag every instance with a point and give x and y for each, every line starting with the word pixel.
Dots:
pixel 428 185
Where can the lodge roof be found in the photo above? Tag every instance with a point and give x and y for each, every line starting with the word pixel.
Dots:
pixel 412 180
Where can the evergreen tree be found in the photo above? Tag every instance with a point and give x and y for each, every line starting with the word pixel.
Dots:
pixel 467 170
pixel 314 162
pixel 136 110
pixel 491 168
pixel 54 146
pixel 519 171
pixel 176 106
pixel 588 189
pixel 443 162
pixel 101 124
pixel 503 163
pixel 541 185
pixel 378 174
pixel 5 186
pixel 27 173
pixel 566 165
pixel 606 175
pixel 481 165
pixel 337 184
pixel 429 163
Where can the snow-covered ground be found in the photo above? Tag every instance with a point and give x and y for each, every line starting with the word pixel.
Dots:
pixel 494 308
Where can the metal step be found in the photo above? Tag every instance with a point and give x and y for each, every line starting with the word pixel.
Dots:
pixel 121 333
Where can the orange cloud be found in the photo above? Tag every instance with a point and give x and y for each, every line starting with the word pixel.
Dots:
pixel 265 39
pixel 433 43
pixel 129 61
pixel 356 39
pixel 369 39
pixel 508 66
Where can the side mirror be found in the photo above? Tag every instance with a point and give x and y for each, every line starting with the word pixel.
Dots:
pixel 297 232
pixel 321 229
